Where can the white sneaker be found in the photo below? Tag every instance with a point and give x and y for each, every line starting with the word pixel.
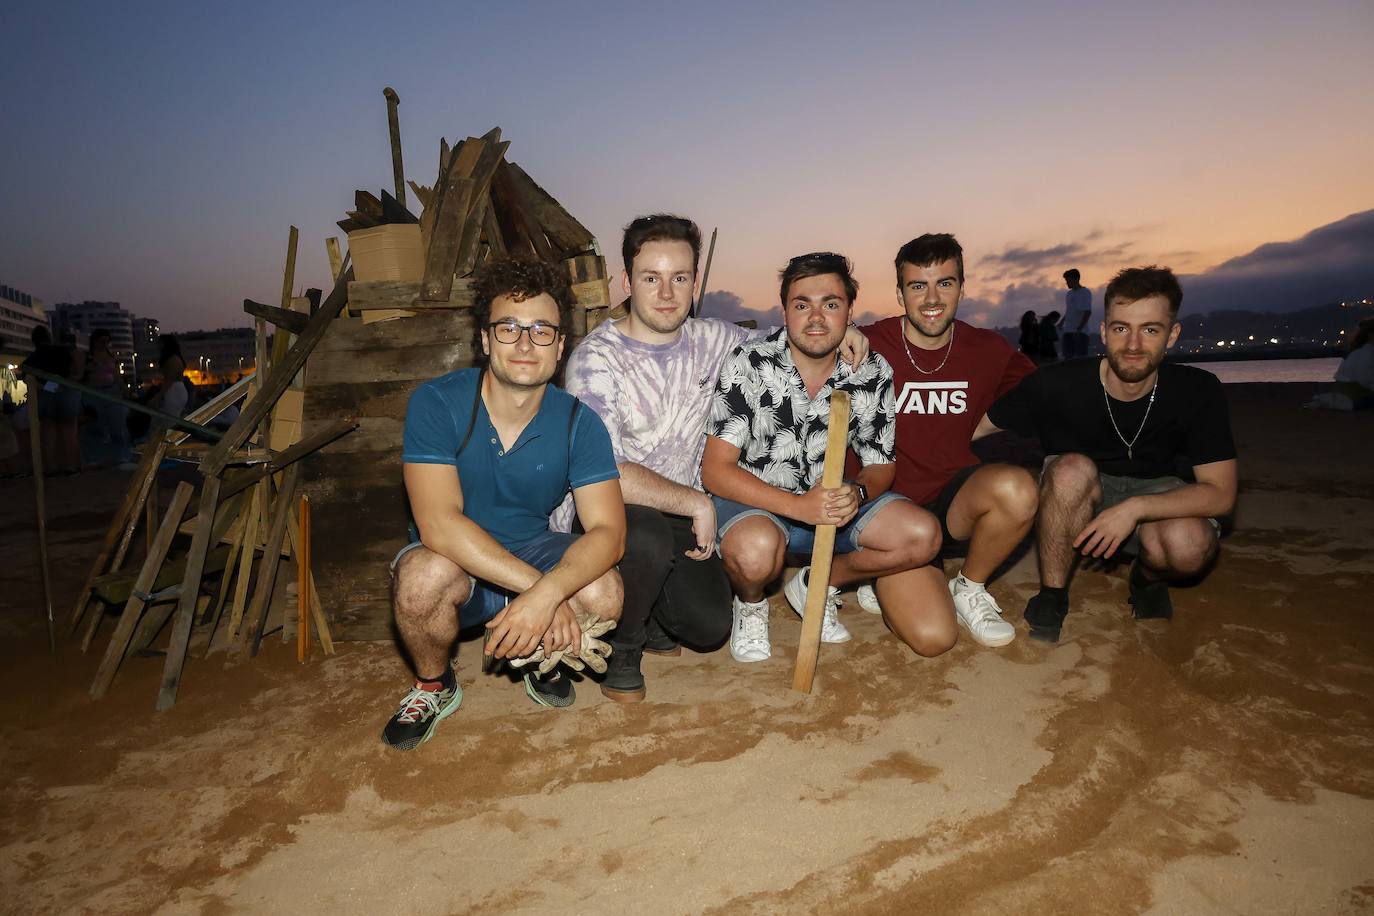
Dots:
pixel 978 613
pixel 867 597
pixel 749 633
pixel 831 628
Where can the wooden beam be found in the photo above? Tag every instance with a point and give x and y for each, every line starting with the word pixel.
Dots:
pixel 286 458
pixel 405 294
pixel 279 380
pixel 519 228
pixel 331 247
pixel 133 609
pixel 190 590
pixel 40 504
pixel 292 321
pixel 442 255
pixel 98 394
pixel 271 558
pixel 564 231
pixel 818 582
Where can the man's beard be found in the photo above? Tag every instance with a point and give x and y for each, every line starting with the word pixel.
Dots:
pixel 815 347
pixel 1136 372
pixel 922 330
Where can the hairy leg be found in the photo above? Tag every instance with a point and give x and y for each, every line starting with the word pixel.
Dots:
pixel 918 609
pixel 753 551
pixel 993 511
pixel 426 592
pixel 1069 496
pixel 900 537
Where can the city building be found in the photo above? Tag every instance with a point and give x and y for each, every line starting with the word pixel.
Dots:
pixel 20 313
pixel 218 356
pixel 146 348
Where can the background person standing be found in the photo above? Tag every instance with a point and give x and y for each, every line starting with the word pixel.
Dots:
pixel 1078 307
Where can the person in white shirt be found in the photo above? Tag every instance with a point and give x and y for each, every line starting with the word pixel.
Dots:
pixel 1078 307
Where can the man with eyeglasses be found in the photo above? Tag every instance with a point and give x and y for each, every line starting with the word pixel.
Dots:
pixel 651 376
pixel 765 455
pixel 488 455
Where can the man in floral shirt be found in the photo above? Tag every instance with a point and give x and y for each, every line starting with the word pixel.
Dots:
pixel 764 458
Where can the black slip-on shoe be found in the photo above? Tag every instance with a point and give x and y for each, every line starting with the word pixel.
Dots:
pixel 1045 617
pixel 658 642
pixel 1149 600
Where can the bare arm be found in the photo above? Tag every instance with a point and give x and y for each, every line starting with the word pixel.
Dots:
pixel 436 503
pixel 722 475
pixel 1214 494
pixel 877 478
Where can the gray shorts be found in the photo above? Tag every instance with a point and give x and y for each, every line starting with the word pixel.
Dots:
pixel 1116 490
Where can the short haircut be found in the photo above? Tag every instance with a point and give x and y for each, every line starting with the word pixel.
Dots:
pixel 1072 274
pixel 930 249
pixel 816 264
pixel 659 227
pixel 521 277
pixel 1132 284
pixel 40 335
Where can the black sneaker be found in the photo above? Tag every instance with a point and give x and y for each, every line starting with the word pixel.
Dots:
pixel 1149 600
pixel 552 689
pixel 1045 615
pixel 658 642
pixel 623 681
pixel 420 713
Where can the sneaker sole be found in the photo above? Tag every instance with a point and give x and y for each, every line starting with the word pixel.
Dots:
pixel 991 644
pixel 749 661
pixel 801 611
pixel 449 709
pixel 550 702
pixel 623 696
pixel 1044 634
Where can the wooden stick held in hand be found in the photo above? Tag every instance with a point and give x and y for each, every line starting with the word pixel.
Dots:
pixel 823 551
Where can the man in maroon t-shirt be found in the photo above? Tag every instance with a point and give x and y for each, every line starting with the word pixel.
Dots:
pixel 946 374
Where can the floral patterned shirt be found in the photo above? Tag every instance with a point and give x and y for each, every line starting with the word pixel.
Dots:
pixel 761 407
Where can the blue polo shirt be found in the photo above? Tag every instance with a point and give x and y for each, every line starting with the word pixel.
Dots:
pixel 509 493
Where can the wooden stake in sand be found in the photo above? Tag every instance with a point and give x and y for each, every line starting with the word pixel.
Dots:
pixel 303 584
pixel 36 451
pixel 831 476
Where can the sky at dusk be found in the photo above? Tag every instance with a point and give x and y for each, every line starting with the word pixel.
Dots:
pixel 156 153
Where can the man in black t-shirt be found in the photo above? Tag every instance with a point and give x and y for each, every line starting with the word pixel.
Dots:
pixel 1117 432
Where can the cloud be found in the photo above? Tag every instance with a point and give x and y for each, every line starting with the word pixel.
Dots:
pixel 1021 263
pixel 728 306
pixel 1329 264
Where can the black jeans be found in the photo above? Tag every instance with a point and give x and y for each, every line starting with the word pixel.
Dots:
pixel 690 599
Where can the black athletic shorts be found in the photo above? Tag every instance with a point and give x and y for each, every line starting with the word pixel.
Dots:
pixel 939 507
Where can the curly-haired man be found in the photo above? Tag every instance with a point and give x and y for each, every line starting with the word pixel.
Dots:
pixel 488 454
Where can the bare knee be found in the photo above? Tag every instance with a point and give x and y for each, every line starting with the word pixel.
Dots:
pixel 603 596
pixel 1179 547
pixel 924 537
pixel 1071 478
pixel 1015 494
pixel 931 638
pixel 753 551
pixel 425 582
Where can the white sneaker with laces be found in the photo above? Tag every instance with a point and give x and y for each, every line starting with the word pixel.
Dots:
pixel 979 613
pixel 867 597
pixel 749 633
pixel 831 628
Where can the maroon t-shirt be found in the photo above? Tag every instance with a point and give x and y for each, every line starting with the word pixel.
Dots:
pixel 937 413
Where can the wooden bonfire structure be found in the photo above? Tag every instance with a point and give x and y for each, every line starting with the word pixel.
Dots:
pixel 321 423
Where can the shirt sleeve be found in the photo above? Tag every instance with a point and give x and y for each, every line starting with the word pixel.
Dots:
pixel 592 458
pixel 592 380
pixel 873 418
pixel 430 436
pixel 1016 411
pixel 730 411
pixel 1017 368
pixel 1209 432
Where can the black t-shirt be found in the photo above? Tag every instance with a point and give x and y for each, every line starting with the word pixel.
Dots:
pixel 1063 406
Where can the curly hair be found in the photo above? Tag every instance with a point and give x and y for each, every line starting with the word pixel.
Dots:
pixel 1132 284
pixel 521 277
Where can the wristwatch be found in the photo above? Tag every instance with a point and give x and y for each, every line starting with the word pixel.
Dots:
pixel 863 490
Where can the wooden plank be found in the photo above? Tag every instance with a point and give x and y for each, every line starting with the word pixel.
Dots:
pixel 280 379
pixel 283 460
pixel 564 232
pixel 424 194
pixel 584 268
pixel 147 468
pixel 366 204
pixel 317 616
pixel 190 590
pixel 406 294
pixel 442 255
pixel 289 319
pixel 393 125
pixel 288 280
pixel 832 474
pixel 267 572
pixel 331 247
pixel 133 610
pixel 519 228
pixel 492 155
pixel 245 572
pixel 491 230
pixel 216 610
pixel 41 506
pixel 303 584
pixel 395 211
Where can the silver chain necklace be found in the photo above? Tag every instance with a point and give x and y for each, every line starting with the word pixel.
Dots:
pixel 1130 446
pixel 948 350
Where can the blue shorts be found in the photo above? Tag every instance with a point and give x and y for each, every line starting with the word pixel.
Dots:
pixel 801 538
pixel 486 600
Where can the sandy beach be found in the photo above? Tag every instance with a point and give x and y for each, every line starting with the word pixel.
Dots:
pixel 1222 762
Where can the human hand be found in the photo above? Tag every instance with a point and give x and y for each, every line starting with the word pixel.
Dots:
pixel 703 529
pixel 854 347
pixel 518 628
pixel 563 632
pixel 828 505
pixel 1108 530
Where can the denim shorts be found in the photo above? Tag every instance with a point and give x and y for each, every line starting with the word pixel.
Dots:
pixel 485 600
pixel 801 537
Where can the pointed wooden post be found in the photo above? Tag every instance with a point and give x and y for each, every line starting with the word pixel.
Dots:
pixel 832 474
pixel 190 591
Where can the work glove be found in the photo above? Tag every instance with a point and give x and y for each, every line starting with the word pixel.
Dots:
pixel 591 654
